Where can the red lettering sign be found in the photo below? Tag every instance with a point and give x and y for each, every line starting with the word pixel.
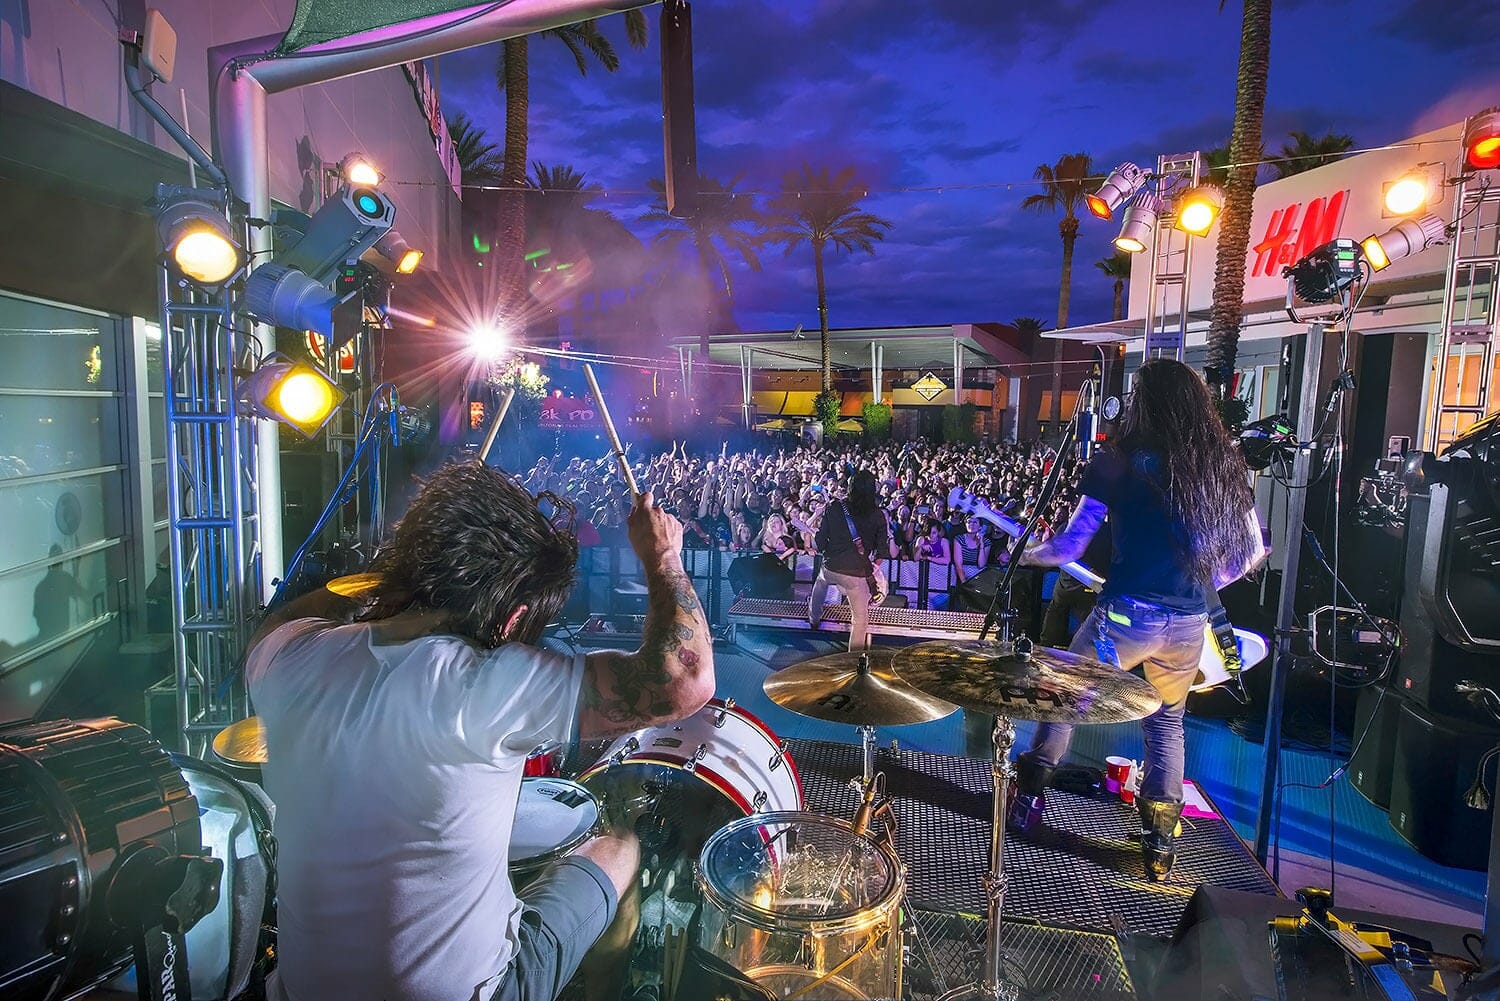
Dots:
pixel 316 346
pixel 1296 230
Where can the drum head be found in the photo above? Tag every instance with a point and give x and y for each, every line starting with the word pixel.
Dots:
pixel 553 816
pixel 788 867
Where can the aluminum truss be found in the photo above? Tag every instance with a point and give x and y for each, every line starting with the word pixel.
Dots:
pixel 1171 264
pixel 1465 342
pixel 212 508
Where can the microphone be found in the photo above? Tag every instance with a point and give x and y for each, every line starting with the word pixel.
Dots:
pixel 1088 422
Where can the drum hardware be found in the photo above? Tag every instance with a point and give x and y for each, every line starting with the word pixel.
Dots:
pixel 630 746
pixel 782 748
pixel 692 762
pixel 1018 680
pixel 723 714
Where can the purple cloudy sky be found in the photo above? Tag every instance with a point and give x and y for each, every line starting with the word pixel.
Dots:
pixel 968 96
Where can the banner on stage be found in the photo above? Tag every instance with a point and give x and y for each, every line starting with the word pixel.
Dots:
pixel 565 413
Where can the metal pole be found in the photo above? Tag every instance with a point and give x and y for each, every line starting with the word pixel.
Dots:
pixel 1296 507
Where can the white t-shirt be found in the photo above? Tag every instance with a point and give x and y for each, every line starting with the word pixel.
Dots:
pixel 395 770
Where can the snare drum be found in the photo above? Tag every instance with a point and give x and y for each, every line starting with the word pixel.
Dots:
pixel 804 906
pixel 678 783
pixel 553 817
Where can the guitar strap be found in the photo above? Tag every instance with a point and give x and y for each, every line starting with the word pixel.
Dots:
pixel 1223 630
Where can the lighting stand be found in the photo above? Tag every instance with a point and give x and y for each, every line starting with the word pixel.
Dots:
pixel 1296 509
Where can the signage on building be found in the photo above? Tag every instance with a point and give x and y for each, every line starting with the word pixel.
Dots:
pixel 564 413
pixel 1293 231
pixel 426 92
pixel 929 386
pixel 317 347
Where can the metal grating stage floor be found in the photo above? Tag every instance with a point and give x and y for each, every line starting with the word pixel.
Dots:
pixel 1080 871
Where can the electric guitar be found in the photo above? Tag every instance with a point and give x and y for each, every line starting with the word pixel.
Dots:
pixel 1219 636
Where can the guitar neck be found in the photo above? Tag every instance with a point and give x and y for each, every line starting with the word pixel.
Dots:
pixel 1013 528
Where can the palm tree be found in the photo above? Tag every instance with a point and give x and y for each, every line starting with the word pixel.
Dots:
pixel 724 224
pixel 1064 185
pixel 1216 164
pixel 478 158
pixel 1305 152
pixel 512 75
pixel 819 209
pixel 1118 268
pixel 1239 191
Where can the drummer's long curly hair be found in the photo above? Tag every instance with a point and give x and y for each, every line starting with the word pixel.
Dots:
pixel 476 545
pixel 1203 474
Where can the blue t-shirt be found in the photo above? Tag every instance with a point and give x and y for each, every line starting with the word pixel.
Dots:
pixel 1151 562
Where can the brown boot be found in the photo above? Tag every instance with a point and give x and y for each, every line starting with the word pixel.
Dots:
pixel 1159 836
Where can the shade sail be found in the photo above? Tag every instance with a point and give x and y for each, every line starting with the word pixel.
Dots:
pixel 329 20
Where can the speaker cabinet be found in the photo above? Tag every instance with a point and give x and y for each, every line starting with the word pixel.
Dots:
pixel 1435 760
pixel 1376 713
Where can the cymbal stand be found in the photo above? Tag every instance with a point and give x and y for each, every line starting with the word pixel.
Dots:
pixel 867 749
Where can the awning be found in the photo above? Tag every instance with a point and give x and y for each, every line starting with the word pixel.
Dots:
pixel 329 20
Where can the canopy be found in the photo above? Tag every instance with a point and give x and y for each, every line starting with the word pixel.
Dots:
pixel 329 20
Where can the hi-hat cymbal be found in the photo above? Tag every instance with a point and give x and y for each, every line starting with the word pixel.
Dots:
pixel 353 585
pixel 242 743
pixel 1026 682
pixel 859 689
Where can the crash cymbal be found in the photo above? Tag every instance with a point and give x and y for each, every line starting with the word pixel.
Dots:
pixel 242 743
pixel 353 585
pixel 1025 682
pixel 859 689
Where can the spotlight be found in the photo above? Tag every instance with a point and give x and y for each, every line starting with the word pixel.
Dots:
pixel 1406 238
pixel 1122 183
pixel 1140 220
pixel 341 230
pixel 1197 210
pixel 196 236
pixel 1406 195
pixel 359 171
pixel 396 250
pixel 292 392
pixel 1482 140
pixel 1325 273
pixel 488 341
pixel 286 297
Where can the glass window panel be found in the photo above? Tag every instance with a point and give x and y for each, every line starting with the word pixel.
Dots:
pixel 51 434
pixel 40 604
pixel 156 424
pixel 159 491
pixel 154 381
pixel 51 347
pixel 69 514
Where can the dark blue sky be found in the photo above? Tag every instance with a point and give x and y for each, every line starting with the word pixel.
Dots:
pixel 969 96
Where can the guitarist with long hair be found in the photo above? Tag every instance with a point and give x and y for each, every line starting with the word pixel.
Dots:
pixel 1183 524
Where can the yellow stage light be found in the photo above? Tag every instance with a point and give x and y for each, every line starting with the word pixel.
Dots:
pixel 292 392
pixel 1197 210
pixel 1375 253
pixel 205 255
pixel 1406 195
pixel 304 398
pixel 1407 237
pixel 409 262
pixel 196 235
pixel 360 172
pixel 1140 221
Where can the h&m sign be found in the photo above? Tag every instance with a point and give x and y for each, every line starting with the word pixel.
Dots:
pixel 1292 232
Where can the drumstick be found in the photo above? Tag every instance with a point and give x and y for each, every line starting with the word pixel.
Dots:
pixel 609 429
pixel 489 439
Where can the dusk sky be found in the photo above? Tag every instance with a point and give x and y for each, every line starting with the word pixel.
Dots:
pixel 946 108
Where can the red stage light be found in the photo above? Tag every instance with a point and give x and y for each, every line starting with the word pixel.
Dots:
pixel 1482 140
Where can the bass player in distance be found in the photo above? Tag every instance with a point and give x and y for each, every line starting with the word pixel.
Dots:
pixel 1183 523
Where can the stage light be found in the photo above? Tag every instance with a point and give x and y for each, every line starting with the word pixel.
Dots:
pixel 1404 239
pixel 341 230
pixel 488 340
pixel 1121 184
pixel 1482 140
pixel 1325 273
pixel 396 250
pixel 292 392
pixel 1140 220
pixel 196 236
pixel 1406 195
pixel 1197 210
pixel 286 297
pixel 360 172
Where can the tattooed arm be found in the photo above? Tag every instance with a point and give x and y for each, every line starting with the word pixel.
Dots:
pixel 1068 545
pixel 672 674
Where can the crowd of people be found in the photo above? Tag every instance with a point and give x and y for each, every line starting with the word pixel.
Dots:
pixel 770 501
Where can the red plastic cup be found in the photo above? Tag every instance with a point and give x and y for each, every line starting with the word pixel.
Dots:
pixel 1116 774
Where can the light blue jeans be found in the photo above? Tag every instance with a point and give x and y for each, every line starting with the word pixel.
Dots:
pixel 857 590
pixel 1167 646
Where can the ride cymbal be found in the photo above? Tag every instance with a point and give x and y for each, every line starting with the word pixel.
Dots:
pixel 1025 682
pixel 859 689
pixel 242 743
pixel 353 585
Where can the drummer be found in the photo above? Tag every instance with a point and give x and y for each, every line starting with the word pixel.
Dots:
pixel 1183 525
pixel 396 734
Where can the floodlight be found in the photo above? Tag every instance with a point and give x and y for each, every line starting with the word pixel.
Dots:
pixel 488 340
pixel 341 230
pixel 1197 210
pixel 1407 194
pixel 196 236
pixel 1482 140
pixel 292 392
pixel 396 250
pixel 1118 188
pixel 1406 238
pixel 286 297
pixel 1140 220
pixel 360 172
pixel 1327 272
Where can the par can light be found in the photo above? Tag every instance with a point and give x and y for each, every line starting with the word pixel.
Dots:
pixel 1482 140
pixel 292 392
pixel 359 171
pixel 1404 239
pixel 1140 221
pixel 1118 188
pixel 1197 210
pixel 196 236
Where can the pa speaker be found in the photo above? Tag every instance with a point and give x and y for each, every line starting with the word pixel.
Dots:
pixel 1435 761
pixel 1376 713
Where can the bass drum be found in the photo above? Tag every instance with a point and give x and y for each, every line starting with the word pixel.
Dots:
pixel 675 785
